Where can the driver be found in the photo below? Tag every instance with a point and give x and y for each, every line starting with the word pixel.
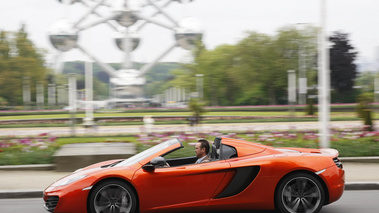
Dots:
pixel 202 150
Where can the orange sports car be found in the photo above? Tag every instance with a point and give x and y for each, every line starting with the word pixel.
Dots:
pixel 241 175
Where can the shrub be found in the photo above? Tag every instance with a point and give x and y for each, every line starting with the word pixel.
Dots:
pixel 310 110
pixel 367 120
pixel 364 101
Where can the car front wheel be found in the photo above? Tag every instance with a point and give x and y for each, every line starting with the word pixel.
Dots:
pixel 298 193
pixel 112 196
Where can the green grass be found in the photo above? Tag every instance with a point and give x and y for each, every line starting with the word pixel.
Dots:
pixel 34 156
pixel 357 148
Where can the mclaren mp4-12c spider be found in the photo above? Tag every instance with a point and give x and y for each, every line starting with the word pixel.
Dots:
pixel 241 175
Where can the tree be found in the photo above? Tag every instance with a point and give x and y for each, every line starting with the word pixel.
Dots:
pixel 100 89
pixel 258 69
pixel 4 62
pixel 251 72
pixel 19 59
pixel 343 69
pixel 197 108
pixel 265 61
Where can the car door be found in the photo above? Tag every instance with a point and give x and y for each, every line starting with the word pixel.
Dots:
pixel 175 188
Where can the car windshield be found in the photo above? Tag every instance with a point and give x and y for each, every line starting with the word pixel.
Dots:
pixel 148 152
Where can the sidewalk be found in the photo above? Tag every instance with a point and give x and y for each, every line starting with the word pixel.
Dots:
pixel 31 183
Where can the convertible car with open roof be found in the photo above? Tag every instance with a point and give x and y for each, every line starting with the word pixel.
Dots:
pixel 240 176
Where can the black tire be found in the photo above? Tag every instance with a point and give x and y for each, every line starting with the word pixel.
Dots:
pixel 112 196
pixel 298 193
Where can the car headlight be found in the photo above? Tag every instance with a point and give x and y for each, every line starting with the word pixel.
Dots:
pixel 69 179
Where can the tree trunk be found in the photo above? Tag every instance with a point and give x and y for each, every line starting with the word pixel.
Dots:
pixel 271 96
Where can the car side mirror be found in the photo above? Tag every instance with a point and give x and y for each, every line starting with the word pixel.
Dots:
pixel 154 163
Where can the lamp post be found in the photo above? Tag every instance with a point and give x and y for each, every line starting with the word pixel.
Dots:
pixel 323 81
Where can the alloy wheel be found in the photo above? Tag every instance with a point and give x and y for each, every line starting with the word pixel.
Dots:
pixel 113 198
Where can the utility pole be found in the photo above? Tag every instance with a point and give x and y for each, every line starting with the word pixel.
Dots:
pixel 324 81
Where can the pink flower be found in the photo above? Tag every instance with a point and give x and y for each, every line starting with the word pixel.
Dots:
pixel 52 139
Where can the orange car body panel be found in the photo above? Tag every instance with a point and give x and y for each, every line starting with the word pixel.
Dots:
pixel 190 186
pixel 195 187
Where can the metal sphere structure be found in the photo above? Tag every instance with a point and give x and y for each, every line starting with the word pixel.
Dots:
pixel 120 38
pixel 62 35
pixel 121 16
pixel 189 32
pixel 126 12
pixel 69 1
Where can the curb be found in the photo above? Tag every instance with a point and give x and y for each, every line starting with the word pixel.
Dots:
pixel 353 186
pixel 31 167
pixel 373 159
pixel 17 194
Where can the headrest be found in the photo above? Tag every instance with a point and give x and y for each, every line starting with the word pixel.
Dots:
pixel 217 142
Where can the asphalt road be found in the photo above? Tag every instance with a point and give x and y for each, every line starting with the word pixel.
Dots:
pixel 351 202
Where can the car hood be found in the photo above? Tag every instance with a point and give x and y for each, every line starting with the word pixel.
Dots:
pixel 98 166
pixel 94 172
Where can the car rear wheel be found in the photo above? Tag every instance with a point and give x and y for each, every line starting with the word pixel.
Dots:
pixel 300 192
pixel 112 196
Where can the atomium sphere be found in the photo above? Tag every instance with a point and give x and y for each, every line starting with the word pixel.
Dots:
pixel 120 37
pixel 183 1
pixel 128 77
pixel 128 10
pixel 63 36
pixel 188 33
pixel 69 1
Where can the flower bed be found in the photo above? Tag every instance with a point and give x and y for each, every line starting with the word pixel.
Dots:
pixel 31 150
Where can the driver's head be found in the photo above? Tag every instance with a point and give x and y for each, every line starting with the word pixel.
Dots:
pixel 202 148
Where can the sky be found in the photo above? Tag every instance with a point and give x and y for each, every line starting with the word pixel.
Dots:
pixel 222 21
